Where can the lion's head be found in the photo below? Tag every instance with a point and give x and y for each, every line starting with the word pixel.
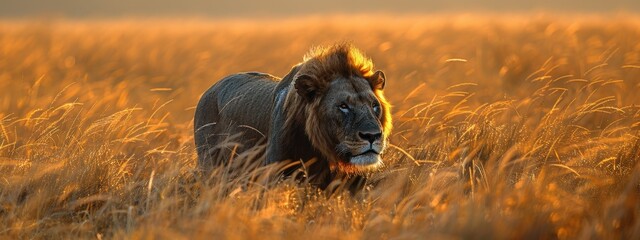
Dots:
pixel 347 117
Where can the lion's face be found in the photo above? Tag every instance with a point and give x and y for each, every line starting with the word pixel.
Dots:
pixel 354 113
pixel 346 123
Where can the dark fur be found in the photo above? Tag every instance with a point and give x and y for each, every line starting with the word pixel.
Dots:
pixel 255 108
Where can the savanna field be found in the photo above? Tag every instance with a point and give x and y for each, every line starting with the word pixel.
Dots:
pixel 505 127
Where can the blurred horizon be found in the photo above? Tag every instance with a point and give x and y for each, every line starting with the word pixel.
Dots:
pixel 290 8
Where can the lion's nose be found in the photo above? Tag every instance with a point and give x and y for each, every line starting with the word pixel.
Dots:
pixel 370 136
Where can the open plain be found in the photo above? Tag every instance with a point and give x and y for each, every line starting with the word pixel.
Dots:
pixel 518 127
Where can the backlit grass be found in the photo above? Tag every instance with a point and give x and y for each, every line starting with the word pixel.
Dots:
pixel 505 127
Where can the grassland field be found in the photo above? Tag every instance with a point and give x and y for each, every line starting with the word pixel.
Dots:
pixel 505 127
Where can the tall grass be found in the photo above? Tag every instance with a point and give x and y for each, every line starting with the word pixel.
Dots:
pixel 506 127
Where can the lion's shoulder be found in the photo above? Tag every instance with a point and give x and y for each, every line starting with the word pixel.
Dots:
pixel 261 75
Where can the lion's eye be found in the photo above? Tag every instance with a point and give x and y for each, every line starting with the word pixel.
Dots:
pixel 344 107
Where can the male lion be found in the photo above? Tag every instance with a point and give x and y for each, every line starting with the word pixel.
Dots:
pixel 329 108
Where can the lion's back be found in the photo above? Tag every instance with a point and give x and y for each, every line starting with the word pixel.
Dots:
pixel 238 109
pixel 247 99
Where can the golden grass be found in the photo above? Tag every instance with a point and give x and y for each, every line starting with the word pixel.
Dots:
pixel 505 127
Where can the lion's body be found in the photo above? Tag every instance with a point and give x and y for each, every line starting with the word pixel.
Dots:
pixel 222 125
pixel 221 116
pixel 296 116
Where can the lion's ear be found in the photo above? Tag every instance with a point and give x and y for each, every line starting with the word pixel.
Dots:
pixel 377 80
pixel 307 86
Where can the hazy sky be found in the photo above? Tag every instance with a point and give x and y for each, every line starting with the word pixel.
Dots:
pixel 244 8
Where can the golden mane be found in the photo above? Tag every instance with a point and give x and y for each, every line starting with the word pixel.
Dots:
pixel 324 65
pixel 344 60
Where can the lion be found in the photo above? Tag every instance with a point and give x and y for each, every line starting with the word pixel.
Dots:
pixel 329 111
